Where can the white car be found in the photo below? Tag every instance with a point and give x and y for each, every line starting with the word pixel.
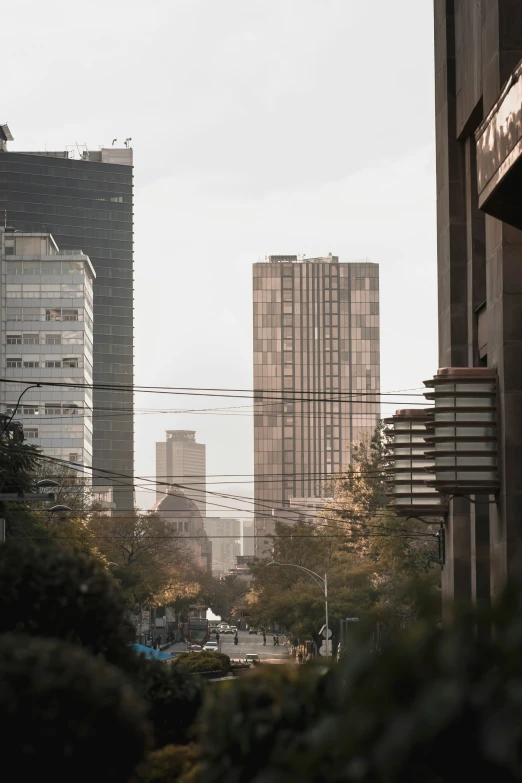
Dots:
pixel 212 646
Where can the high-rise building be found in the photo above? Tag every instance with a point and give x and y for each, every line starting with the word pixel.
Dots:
pixel 225 536
pixel 478 89
pixel 46 330
pixel 316 375
pixel 180 460
pixel 86 203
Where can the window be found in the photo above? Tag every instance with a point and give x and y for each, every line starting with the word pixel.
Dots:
pixel 30 433
pixel 53 314
pixel 72 362
pixel 53 339
pixel 70 315
pixel 73 457
pixel 14 339
pixel 53 409
pixel 31 338
pixel 31 364
pixel 53 363
pixel 14 363
pixel 30 410
pixel 72 338
pixel 9 247
pixel 70 409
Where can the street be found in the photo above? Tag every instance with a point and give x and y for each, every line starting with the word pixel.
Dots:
pixel 253 644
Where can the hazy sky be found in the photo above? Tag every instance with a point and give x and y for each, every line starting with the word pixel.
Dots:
pixel 258 127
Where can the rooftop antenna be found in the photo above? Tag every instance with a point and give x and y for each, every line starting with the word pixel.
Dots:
pixel 114 142
pixel 127 142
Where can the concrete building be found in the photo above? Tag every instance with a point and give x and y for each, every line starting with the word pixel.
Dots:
pixel 84 198
pixel 180 460
pixel 185 519
pixel 478 102
pixel 316 375
pixel 247 539
pixel 225 537
pixel 46 336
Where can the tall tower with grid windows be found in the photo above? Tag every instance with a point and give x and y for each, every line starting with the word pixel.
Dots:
pixel 316 376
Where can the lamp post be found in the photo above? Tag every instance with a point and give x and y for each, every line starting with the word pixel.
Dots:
pixel 322 583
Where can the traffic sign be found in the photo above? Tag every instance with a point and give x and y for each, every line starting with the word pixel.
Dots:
pixel 326 648
pixel 322 632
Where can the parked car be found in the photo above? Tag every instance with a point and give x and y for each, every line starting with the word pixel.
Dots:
pixel 195 648
pixel 227 630
pixel 233 629
pixel 252 659
pixel 252 630
pixel 211 646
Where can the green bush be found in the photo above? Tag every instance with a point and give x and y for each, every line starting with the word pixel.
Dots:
pixel 174 698
pixel 205 661
pixel 429 708
pixel 50 592
pixel 169 764
pixel 67 714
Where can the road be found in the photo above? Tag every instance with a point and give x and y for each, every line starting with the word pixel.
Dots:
pixel 253 644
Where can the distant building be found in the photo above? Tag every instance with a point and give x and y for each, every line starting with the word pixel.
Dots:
pixel 316 375
pixel 84 198
pixel 248 539
pixel 225 536
pixel 180 460
pixel 46 323
pixel 185 518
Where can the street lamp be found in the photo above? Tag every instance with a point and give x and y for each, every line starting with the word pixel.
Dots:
pixel 322 583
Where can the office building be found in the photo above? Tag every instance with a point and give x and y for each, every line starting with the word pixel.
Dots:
pixel 180 460
pixel 46 323
pixel 478 99
pixel 225 537
pixel 185 519
pixel 316 375
pixel 84 199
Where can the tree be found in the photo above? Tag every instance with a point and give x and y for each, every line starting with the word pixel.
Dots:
pixel 360 492
pixel 290 598
pixel 151 561
pixel 49 591
pixel 68 712
pixel 222 595
pixel 18 465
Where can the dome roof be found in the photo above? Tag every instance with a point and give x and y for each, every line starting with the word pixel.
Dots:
pixel 176 502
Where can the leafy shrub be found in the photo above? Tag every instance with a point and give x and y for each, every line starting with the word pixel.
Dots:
pixel 68 714
pixel 174 698
pixel 418 711
pixel 205 661
pixel 169 764
pixel 49 592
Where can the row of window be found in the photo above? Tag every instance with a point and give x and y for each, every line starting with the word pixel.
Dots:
pixel 48 314
pixel 49 409
pixel 31 364
pixel 55 338
pixel 54 267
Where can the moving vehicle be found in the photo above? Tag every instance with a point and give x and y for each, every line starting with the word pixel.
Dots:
pixel 252 630
pixel 198 631
pixel 252 659
pixel 211 647
pixel 228 629
pixel 233 629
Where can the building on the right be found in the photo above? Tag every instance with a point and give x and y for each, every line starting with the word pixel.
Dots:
pixel 478 102
pixel 316 377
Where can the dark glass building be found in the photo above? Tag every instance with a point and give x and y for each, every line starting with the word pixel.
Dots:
pixel 86 203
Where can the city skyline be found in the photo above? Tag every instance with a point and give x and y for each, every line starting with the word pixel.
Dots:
pixel 366 193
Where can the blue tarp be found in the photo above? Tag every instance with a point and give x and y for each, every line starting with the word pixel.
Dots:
pixel 149 652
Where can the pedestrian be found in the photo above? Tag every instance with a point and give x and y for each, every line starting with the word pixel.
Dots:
pixel 300 657
pixel 217 638
pixel 264 640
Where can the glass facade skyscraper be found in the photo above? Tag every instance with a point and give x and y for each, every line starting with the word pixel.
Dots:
pixel 87 204
pixel 316 375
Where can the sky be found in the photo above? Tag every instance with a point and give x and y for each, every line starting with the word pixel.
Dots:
pixel 259 127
